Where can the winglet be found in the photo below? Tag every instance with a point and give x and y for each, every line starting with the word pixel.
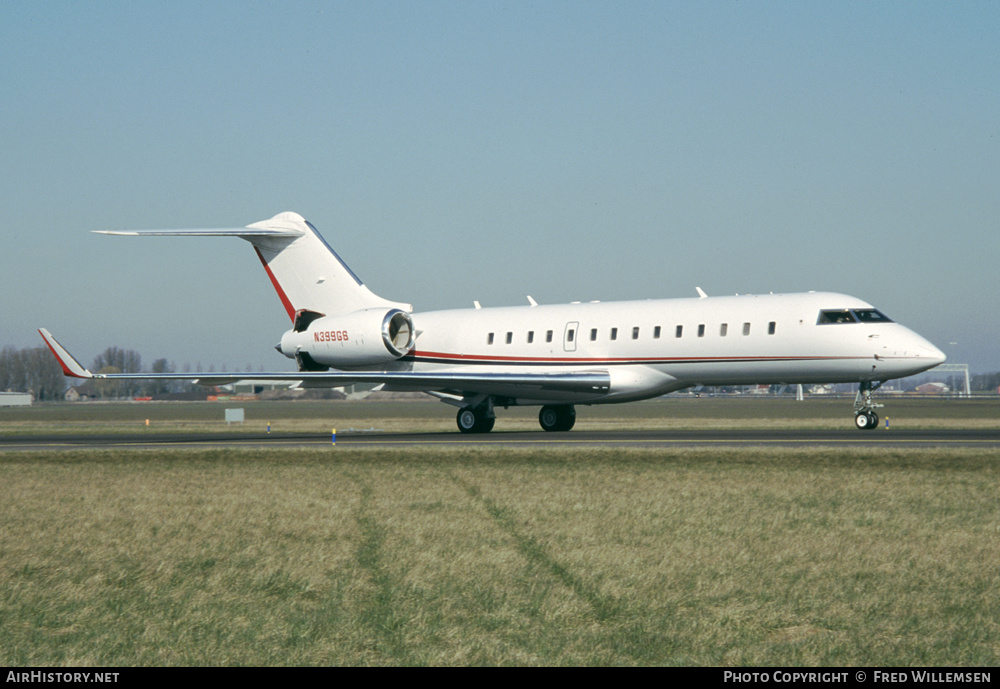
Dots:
pixel 70 366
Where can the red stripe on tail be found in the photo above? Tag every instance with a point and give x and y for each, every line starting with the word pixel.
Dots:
pixel 289 309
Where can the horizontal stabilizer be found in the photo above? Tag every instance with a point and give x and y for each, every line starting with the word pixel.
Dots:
pixel 304 270
pixel 241 232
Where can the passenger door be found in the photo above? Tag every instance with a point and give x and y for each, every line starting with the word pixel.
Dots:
pixel 570 336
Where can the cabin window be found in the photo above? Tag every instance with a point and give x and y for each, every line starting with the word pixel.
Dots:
pixel 701 330
pixel 593 334
pixel 680 331
pixel 771 327
pixel 746 328
pixel 569 335
pixel 635 333
pixel 548 336
pixel 489 339
pixel 723 329
pixel 656 333
pixel 614 333
pixel 510 337
pixel 531 336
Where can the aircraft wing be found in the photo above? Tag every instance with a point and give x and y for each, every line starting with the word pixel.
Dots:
pixel 591 382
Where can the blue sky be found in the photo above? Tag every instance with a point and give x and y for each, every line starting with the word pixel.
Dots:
pixel 476 150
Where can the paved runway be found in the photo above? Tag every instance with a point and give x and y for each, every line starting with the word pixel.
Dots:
pixel 848 437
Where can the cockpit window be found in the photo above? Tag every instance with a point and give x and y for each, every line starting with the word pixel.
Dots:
pixel 836 316
pixel 852 316
pixel 871 316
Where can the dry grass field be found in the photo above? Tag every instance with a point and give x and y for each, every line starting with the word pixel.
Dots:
pixel 351 557
pixel 482 556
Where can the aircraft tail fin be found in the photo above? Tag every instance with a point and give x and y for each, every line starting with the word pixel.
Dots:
pixel 305 271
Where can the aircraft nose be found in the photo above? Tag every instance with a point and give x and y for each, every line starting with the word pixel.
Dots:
pixel 922 352
pixel 932 354
pixel 907 353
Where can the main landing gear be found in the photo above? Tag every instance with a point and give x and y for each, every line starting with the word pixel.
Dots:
pixel 557 417
pixel 476 419
pixel 480 418
pixel 865 418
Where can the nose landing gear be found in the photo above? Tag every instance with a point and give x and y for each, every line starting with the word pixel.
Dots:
pixel 865 418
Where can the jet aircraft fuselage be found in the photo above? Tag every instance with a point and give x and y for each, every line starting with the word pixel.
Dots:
pixel 555 356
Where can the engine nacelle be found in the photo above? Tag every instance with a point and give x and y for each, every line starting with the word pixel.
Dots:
pixel 361 338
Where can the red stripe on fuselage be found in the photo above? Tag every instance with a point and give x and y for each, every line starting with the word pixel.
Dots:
pixel 481 359
pixel 277 288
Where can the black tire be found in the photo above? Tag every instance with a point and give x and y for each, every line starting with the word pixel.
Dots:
pixel 471 420
pixel 569 420
pixel 553 417
pixel 548 418
pixel 467 420
pixel 866 420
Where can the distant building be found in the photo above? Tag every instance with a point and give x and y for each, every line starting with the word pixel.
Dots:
pixel 255 387
pixel 87 390
pixel 16 399
pixel 933 389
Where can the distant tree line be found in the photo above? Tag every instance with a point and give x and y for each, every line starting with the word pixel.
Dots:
pixel 35 370
pixel 985 381
pixel 31 370
pixel 117 360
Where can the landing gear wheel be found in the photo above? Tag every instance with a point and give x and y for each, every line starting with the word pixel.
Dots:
pixel 466 420
pixel 474 420
pixel 557 417
pixel 866 420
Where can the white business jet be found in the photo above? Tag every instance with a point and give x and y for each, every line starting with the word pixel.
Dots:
pixel 554 356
